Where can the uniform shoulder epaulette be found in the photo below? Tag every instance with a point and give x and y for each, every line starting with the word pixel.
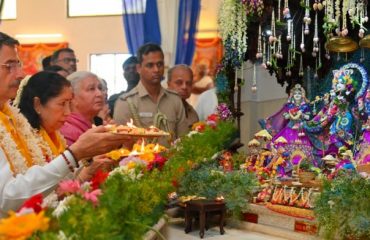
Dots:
pixel 128 94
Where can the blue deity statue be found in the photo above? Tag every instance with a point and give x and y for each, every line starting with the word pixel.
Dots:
pixel 332 127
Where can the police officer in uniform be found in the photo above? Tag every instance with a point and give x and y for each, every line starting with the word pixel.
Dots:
pixel 149 103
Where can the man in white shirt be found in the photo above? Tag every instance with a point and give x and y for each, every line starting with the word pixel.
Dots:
pixel 207 104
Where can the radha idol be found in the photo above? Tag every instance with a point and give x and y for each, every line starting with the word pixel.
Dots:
pixel 288 123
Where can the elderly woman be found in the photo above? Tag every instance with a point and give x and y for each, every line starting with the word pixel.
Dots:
pixel 87 101
pixel 45 102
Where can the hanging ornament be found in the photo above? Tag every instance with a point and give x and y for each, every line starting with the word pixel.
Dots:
pixel 288 72
pixel 264 65
pixel 314 6
pixel 303 49
pixel 259 44
pixel 254 79
pixel 362 58
pixel 293 47
pixel 337 16
pixel 306 18
pixel 286 11
pixel 273 38
pixel 268 63
pixel 279 54
pixel 289 31
pixel 344 18
pixel 315 38
pixel 300 66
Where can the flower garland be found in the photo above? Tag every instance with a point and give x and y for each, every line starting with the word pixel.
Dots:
pixel 254 7
pixel 51 148
pixel 233 29
pixel 18 162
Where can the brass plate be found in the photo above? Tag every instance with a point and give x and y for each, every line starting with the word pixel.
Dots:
pixel 341 44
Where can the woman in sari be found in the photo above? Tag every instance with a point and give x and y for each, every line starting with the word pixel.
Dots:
pixel 45 102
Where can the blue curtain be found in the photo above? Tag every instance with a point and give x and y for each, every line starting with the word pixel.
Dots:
pixel 141 23
pixel 187 26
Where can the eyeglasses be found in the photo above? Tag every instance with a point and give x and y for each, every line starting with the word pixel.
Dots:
pixel 68 60
pixel 12 66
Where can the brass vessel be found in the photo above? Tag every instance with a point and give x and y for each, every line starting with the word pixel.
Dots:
pixel 341 44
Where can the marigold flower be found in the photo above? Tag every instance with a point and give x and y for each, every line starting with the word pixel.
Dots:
pixel 22 227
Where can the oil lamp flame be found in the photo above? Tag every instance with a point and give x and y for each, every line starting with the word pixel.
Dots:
pixel 131 124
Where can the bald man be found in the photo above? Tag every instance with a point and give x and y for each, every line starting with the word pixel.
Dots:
pixel 180 80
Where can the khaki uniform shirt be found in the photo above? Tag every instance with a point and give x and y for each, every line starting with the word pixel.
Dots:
pixel 190 114
pixel 169 103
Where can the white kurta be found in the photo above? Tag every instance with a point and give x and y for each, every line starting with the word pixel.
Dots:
pixel 207 104
pixel 37 179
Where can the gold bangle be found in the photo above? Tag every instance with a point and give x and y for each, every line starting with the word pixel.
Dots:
pixel 86 162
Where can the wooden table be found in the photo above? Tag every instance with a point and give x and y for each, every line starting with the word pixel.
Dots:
pixel 203 208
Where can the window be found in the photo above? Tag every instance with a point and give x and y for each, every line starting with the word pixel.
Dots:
pixel 81 8
pixel 109 67
pixel 9 10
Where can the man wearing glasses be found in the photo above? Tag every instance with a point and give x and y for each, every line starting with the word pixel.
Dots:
pixel 65 58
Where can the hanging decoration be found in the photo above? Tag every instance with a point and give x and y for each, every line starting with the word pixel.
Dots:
pixel 233 30
pixel 314 29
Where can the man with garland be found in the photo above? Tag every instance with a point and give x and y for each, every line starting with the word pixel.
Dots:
pixel 21 176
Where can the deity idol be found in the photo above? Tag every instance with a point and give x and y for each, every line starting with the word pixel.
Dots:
pixel 334 120
pixel 288 123
pixel 363 155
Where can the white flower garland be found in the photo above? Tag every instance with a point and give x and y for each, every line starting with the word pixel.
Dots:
pixel 9 146
pixel 233 25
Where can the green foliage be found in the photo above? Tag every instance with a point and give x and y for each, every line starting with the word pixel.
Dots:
pixel 195 149
pixel 130 206
pixel 208 181
pixel 343 208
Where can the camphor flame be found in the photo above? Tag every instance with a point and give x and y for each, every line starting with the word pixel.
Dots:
pixel 142 149
pixel 156 148
pixel 131 124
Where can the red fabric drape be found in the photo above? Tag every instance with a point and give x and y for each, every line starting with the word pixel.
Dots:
pixel 32 54
pixel 208 51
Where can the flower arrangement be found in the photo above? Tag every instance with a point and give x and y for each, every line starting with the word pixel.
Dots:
pixel 125 203
pixel 254 7
pixel 29 220
pixel 17 227
pixel 342 209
